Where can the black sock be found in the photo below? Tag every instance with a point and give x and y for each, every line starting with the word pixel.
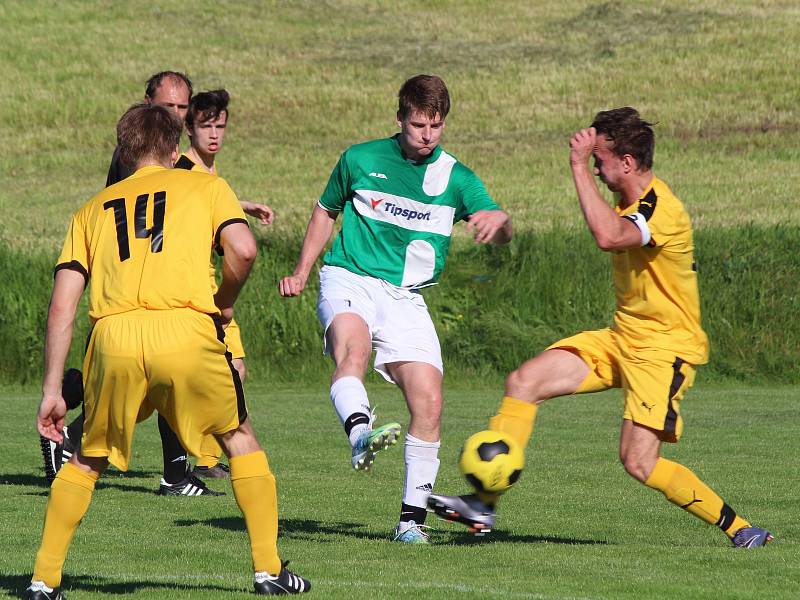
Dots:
pixel 175 457
pixel 412 513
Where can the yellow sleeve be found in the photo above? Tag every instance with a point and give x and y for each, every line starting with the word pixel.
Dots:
pixel 75 251
pixel 225 211
pixel 669 225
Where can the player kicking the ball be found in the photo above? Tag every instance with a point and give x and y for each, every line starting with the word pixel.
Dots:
pixel 655 344
pixel 400 197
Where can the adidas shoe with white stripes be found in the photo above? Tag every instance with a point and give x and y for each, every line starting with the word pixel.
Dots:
pixel 51 453
pixel 189 486
pixel 39 591
pixel 284 582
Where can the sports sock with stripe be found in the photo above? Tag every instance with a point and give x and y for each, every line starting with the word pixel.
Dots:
pixel 70 496
pixel 683 488
pixel 516 418
pixel 175 458
pixel 349 398
pixel 255 492
pixel 422 465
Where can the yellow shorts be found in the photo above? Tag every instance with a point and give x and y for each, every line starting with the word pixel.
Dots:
pixel 172 361
pixel 654 381
pixel 233 339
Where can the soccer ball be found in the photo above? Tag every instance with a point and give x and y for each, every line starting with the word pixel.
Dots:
pixel 491 461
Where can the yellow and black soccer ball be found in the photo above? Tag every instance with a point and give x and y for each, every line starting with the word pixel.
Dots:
pixel 491 461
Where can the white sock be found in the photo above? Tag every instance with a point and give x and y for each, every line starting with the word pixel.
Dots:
pixel 349 397
pixel 422 465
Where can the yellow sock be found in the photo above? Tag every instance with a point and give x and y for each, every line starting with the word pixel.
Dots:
pixel 254 488
pixel 683 488
pixel 210 451
pixel 69 500
pixel 515 418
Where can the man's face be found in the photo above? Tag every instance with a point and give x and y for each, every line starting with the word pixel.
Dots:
pixel 172 94
pixel 420 134
pixel 607 166
pixel 207 136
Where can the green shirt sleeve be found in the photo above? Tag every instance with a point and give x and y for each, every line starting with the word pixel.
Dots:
pixel 473 195
pixel 337 192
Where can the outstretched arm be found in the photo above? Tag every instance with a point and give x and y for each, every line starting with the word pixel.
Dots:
pixel 67 290
pixel 318 232
pixel 262 212
pixel 610 231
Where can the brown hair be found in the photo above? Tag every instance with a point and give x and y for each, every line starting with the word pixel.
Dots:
pixel 147 131
pixel 426 94
pixel 207 106
pixel 629 134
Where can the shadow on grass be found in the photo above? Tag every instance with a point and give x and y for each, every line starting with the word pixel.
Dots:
pixel 495 537
pixel 114 482
pixel 14 585
pixel 298 529
pixel 308 529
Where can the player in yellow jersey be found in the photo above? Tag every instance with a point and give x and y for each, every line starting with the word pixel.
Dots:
pixel 655 344
pixel 206 122
pixel 142 246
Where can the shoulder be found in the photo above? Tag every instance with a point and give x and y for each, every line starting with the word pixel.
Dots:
pixel 665 199
pixel 369 148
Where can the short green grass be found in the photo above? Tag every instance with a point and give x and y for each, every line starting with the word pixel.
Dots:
pixel 574 527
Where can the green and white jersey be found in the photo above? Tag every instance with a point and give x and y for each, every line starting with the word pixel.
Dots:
pixel 399 214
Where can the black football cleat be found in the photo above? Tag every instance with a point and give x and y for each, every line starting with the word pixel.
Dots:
pixel 284 582
pixel 39 591
pixel 51 454
pixel 189 486
pixel 467 510
pixel 218 471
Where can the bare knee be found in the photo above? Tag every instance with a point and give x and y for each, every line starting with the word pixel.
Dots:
pixel 240 441
pixel 525 383
pixel 637 465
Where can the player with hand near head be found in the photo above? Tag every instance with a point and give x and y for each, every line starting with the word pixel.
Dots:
pixel 206 124
pixel 655 344
pixel 157 340
pixel 400 197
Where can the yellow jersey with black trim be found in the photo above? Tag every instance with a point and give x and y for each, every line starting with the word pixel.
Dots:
pixel 145 242
pixel 658 303
pixel 184 162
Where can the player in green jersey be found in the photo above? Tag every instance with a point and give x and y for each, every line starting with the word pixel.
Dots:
pixel 400 198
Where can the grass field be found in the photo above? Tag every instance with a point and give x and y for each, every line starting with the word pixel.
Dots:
pixel 307 79
pixel 574 527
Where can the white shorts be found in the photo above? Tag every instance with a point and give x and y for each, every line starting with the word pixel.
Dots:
pixel 398 319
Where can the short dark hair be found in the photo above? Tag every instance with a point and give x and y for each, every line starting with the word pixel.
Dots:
pixel 426 94
pixel 156 80
pixel 147 131
pixel 629 134
pixel 207 106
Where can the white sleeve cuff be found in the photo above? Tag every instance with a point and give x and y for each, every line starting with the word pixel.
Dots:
pixel 640 222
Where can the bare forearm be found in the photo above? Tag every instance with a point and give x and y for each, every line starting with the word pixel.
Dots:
pixel 603 222
pixel 318 232
pixel 58 337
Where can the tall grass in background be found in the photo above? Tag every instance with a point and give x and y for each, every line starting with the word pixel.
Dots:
pixel 495 307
